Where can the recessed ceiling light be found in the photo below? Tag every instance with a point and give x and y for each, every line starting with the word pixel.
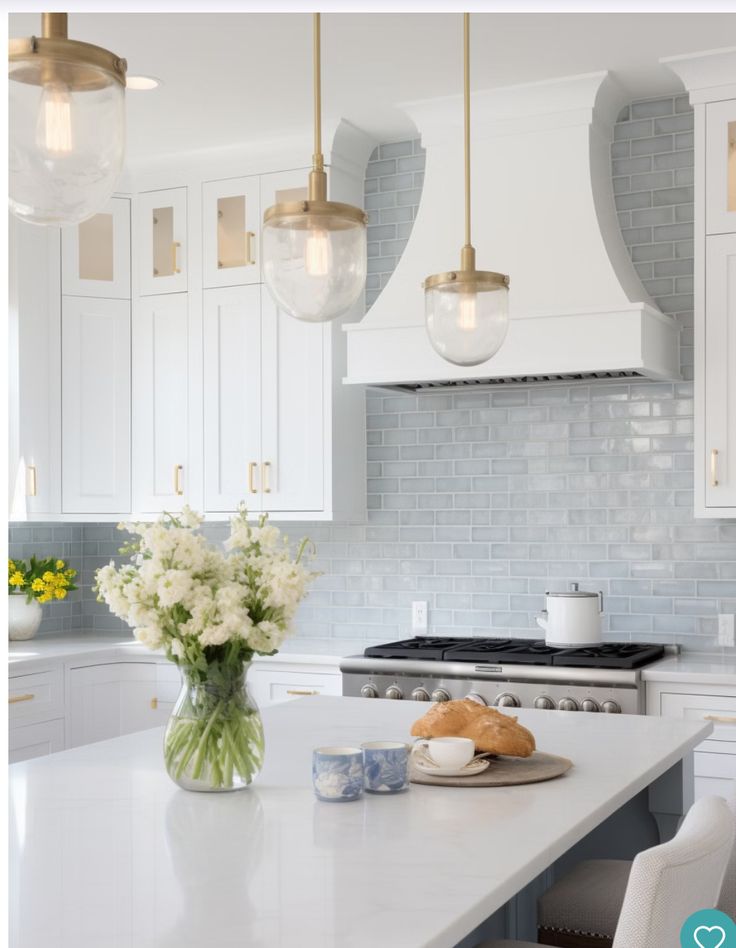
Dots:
pixel 142 83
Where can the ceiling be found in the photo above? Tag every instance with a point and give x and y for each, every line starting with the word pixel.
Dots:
pixel 228 76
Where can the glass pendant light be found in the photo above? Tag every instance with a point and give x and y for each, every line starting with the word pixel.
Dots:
pixel 67 125
pixel 314 251
pixel 467 310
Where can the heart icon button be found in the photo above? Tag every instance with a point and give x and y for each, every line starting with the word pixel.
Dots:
pixel 709 936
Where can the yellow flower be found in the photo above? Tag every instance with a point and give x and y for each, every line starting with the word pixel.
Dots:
pixel 48 576
pixel 60 593
pixel 11 566
pixel 60 564
pixel 44 597
pixel 61 580
pixel 37 585
pixel 17 579
pixel 70 573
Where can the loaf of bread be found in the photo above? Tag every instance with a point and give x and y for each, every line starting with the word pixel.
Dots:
pixel 492 731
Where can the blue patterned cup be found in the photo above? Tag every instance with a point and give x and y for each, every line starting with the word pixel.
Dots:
pixel 386 766
pixel 337 773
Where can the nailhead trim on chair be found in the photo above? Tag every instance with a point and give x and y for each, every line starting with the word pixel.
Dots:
pixel 568 939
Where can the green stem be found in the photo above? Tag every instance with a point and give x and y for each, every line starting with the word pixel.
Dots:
pixel 202 749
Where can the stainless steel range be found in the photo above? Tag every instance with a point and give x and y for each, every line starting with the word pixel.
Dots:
pixel 513 673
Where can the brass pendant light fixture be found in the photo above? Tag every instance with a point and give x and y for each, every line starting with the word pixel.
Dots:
pixel 67 125
pixel 314 251
pixel 466 309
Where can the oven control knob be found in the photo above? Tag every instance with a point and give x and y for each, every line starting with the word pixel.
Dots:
pixel 439 694
pixel 394 692
pixel 544 703
pixel 474 696
pixel 369 691
pixel 589 705
pixel 420 694
pixel 611 707
pixel 568 704
pixel 507 701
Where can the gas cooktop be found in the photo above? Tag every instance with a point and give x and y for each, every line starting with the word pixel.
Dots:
pixel 625 655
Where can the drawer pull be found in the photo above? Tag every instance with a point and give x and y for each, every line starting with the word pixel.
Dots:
pixel 720 719
pixel 14 699
pixel 178 489
pixel 31 481
pixel 249 258
pixel 714 468
pixel 300 691
pixel 251 486
pixel 154 704
pixel 266 477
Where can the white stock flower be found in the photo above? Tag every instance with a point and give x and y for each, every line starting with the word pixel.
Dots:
pixel 150 637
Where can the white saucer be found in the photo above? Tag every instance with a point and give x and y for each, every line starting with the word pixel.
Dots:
pixel 433 770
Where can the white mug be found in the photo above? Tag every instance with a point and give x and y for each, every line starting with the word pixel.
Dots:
pixel 451 753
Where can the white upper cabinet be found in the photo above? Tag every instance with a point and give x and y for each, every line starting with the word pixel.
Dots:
pixel 96 254
pixel 232 398
pixel 720 168
pixel 231 224
pixel 720 374
pixel 161 249
pixel 95 402
pixel 293 415
pixel 160 410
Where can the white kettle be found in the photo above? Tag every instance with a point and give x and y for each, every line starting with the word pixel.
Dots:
pixel 572 619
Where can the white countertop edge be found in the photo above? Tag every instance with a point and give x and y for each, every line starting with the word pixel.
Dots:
pixel 694 668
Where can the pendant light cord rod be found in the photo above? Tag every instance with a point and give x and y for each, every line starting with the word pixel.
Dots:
pixel 466 98
pixel 318 159
pixel 54 25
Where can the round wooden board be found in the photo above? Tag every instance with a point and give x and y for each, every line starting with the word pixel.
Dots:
pixel 504 772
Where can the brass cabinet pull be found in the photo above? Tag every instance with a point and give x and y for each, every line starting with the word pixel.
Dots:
pixel 720 718
pixel 300 691
pixel 267 477
pixel 714 468
pixel 31 481
pixel 14 699
pixel 154 704
pixel 251 486
pixel 178 490
pixel 174 247
pixel 249 258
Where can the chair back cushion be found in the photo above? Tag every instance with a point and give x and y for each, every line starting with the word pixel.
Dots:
pixel 727 901
pixel 670 882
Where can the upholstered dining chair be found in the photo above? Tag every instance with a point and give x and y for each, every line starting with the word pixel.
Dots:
pixel 581 909
pixel 668 883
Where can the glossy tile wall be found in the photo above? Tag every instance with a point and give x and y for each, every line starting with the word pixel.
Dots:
pixel 479 502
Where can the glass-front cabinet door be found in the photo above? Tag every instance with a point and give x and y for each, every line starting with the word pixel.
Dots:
pixel 720 167
pixel 95 255
pixel 162 241
pixel 231 218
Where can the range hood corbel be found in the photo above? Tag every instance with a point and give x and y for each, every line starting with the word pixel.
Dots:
pixel 545 213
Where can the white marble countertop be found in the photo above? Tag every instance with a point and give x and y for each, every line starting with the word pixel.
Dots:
pixel 693 667
pixel 33 654
pixel 106 850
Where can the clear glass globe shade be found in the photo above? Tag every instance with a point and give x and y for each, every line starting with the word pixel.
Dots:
pixel 466 324
pixel 66 147
pixel 314 266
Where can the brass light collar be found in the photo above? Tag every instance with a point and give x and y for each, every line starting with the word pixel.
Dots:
pixel 332 214
pixel 80 66
pixel 467 280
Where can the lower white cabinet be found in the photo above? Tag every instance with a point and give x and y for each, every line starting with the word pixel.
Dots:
pixel 714 758
pixel 118 698
pixel 35 740
pixel 273 682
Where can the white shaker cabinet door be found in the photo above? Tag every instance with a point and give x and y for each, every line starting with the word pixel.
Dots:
pixel 720 167
pixel 232 397
pixel 95 255
pixel 162 246
pixel 295 360
pixel 161 457
pixel 719 463
pixel 231 223
pixel 109 700
pixel 95 401
pixel 35 740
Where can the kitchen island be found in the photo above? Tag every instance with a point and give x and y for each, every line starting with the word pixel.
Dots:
pixel 107 851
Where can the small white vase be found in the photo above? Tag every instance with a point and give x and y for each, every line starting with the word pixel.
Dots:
pixel 24 617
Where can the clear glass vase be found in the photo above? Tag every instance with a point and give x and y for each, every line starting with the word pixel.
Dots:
pixel 214 737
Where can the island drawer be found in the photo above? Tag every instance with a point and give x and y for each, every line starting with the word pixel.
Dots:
pixel 272 686
pixel 27 741
pixel 719 709
pixel 36 697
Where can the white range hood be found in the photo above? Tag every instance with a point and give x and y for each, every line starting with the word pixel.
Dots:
pixel 543 212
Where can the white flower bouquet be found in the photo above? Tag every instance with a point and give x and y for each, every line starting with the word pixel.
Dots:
pixel 210 610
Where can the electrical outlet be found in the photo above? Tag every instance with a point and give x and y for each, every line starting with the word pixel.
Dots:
pixel 419 611
pixel 726 630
